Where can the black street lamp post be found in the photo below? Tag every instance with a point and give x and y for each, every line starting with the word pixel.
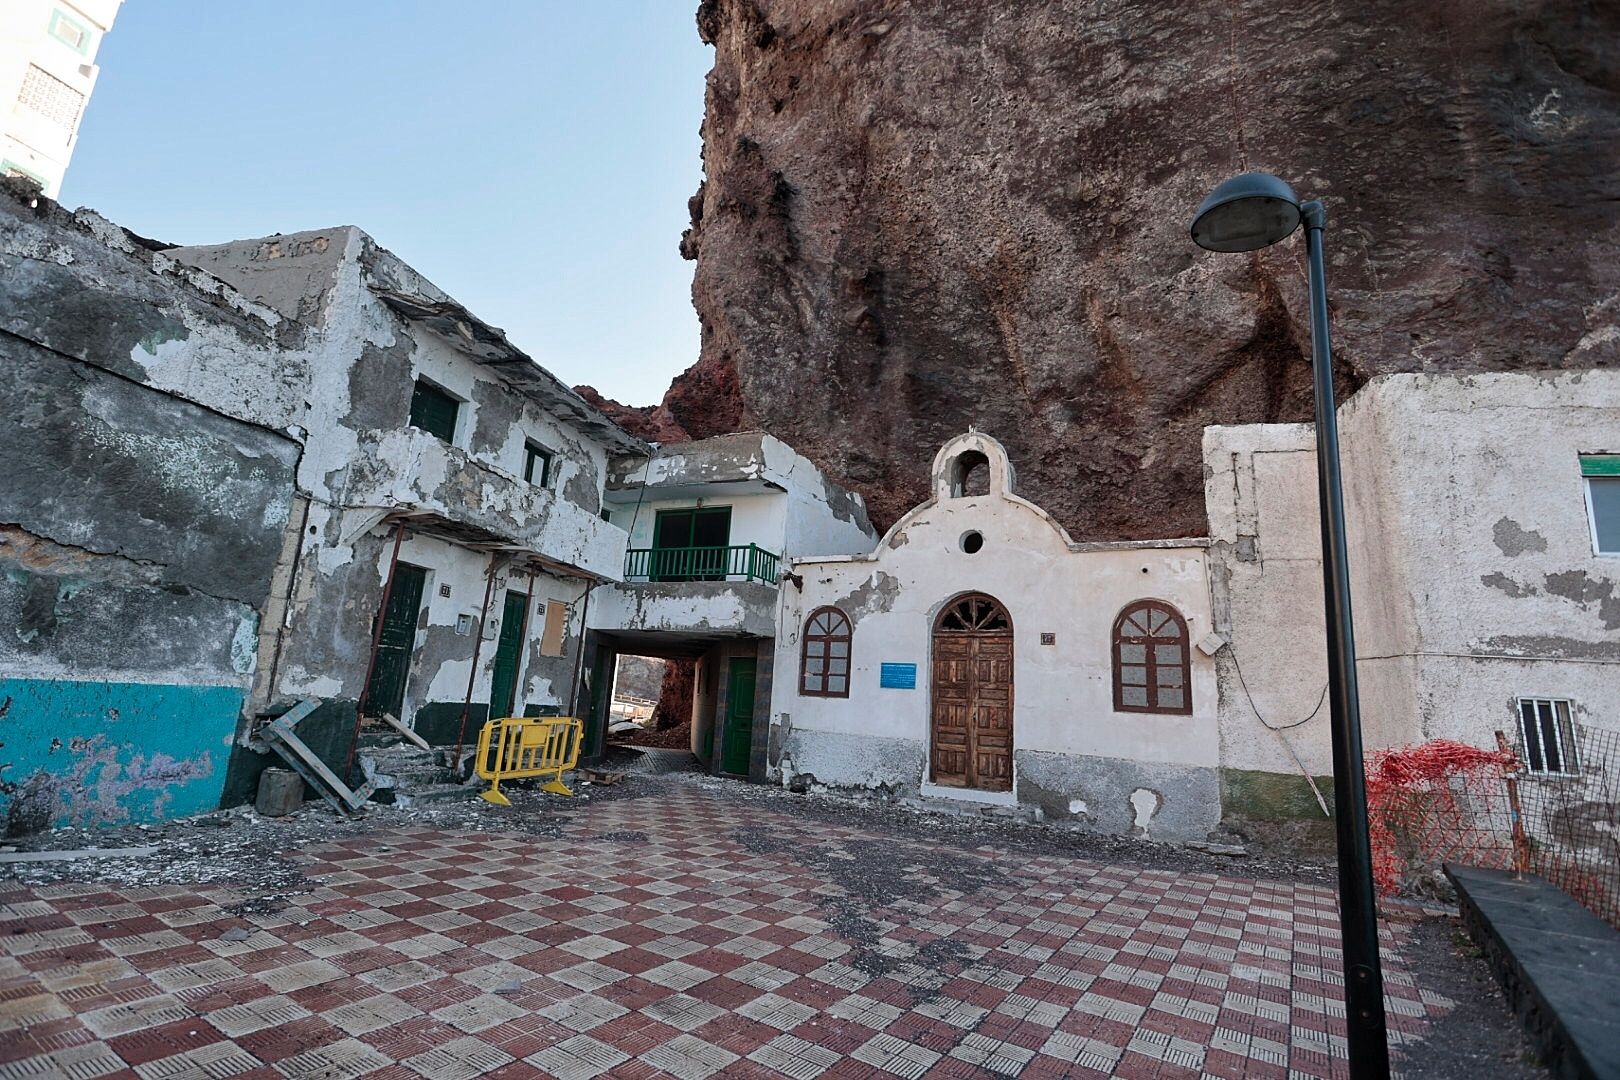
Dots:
pixel 1246 213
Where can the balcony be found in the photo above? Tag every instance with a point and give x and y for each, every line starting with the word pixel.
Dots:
pixel 738 562
pixel 409 470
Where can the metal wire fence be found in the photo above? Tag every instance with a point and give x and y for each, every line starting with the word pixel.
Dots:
pixel 1548 807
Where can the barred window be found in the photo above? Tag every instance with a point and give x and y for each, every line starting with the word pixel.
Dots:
pixel 51 97
pixel 1548 737
pixel 824 663
pixel 1150 659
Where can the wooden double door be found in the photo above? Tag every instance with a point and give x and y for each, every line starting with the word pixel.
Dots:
pixel 972 723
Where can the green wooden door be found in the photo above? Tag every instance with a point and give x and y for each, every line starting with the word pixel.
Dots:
pixel 739 738
pixel 386 694
pixel 508 652
pixel 690 545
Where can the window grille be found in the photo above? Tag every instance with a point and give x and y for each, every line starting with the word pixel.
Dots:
pixel 51 97
pixel 1150 659
pixel 824 663
pixel 1548 737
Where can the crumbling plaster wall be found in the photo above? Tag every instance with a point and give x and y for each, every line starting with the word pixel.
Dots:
pixel 740 608
pixel 81 287
pixel 1472 571
pixel 139 525
pixel 364 459
pixel 1484 493
pixel 1063 693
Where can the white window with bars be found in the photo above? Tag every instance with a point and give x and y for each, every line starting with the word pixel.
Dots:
pixel 1548 736
pixel 51 97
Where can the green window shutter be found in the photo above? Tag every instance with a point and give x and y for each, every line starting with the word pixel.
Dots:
pixel 434 411
pixel 1600 464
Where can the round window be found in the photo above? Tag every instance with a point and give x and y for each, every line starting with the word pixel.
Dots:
pixel 972 541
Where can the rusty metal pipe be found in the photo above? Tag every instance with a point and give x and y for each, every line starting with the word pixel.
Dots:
pixel 579 660
pixel 478 647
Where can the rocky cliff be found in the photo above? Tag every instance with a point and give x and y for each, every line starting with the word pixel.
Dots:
pixel 921 214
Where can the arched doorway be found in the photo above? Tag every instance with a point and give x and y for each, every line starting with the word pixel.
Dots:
pixel 971 737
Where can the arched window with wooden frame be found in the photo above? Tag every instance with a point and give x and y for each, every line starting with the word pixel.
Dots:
pixel 824 657
pixel 1151 662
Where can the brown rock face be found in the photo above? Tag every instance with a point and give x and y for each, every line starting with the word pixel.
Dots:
pixel 924 214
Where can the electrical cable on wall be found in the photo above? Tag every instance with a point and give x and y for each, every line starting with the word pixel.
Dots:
pixel 1280 728
pixel 1320 699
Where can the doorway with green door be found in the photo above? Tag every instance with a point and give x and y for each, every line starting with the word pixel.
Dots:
pixel 396 643
pixel 508 655
pixel 737 733
pixel 691 544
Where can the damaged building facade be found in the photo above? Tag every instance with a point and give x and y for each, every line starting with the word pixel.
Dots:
pixel 265 473
pixel 709 525
pixel 290 473
pixel 449 509
pixel 1175 689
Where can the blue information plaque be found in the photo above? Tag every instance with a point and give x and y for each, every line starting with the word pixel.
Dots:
pixel 898 676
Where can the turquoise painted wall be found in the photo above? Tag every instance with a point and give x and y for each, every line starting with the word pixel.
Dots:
pixel 111 753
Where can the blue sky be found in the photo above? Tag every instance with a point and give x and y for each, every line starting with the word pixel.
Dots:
pixel 532 158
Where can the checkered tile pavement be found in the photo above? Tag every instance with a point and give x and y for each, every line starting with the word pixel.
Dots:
pixel 685 935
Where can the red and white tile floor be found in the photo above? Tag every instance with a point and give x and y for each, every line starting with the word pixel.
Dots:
pixel 654 937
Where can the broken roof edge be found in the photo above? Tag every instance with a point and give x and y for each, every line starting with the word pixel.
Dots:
pixel 412 296
pixel 153 256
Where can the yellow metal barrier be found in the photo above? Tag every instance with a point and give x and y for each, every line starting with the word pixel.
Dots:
pixel 519 747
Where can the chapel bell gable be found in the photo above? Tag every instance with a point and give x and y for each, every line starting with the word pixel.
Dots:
pixel 972 464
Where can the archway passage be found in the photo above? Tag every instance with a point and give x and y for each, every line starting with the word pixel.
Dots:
pixel 971 740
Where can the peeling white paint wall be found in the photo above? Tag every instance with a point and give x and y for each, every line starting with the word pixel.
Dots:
pixel 1473 577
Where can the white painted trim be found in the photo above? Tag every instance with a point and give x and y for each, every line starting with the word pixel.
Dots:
pixel 973 795
pixel 1591 518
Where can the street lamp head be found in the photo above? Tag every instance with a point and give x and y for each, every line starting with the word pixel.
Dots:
pixel 1245 213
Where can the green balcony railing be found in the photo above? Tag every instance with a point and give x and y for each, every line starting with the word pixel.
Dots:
pixel 739 562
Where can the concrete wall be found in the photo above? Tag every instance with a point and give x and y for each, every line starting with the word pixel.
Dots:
pixel 1473 574
pixel 361 451
pixel 706 608
pixel 1075 757
pixel 140 529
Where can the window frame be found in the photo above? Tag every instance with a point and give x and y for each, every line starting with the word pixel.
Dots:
pixel 58 17
pixel 531 452
pixel 417 386
pixel 1150 661
pixel 847 636
pixel 1569 753
pixel 1596 467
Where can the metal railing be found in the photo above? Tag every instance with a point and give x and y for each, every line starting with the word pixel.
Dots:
pixel 739 562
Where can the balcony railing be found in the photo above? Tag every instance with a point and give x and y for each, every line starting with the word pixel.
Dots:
pixel 741 562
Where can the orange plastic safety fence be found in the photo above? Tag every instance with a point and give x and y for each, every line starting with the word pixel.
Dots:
pixel 1446 801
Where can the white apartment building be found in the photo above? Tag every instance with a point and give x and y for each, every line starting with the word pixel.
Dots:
pixel 47 72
